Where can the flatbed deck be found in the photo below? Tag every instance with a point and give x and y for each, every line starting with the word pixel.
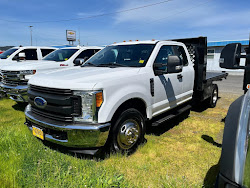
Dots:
pixel 215 76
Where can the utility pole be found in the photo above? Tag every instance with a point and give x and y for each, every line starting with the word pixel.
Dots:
pixel 31 35
pixel 79 39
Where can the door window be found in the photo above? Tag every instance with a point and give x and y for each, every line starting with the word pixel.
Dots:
pixel 182 54
pixel 162 56
pixel 86 54
pixel 46 51
pixel 30 54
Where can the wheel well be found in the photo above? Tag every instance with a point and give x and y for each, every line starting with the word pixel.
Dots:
pixel 216 86
pixel 136 103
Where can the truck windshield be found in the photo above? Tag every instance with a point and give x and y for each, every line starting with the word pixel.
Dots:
pixel 7 53
pixel 60 55
pixel 122 55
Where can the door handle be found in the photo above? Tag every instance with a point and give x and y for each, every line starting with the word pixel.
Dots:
pixel 179 76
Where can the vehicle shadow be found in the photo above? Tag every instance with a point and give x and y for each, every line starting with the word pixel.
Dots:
pixel 164 127
pixel 19 106
pixel 201 107
pixel 210 178
pixel 61 149
pixel 210 140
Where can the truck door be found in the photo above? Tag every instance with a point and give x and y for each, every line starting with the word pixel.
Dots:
pixel 187 74
pixel 167 87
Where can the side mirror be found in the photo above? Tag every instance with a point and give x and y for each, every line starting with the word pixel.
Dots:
pixel 79 61
pixel 20 56
pixel 174 64
pixel 158 68
pixel 230 56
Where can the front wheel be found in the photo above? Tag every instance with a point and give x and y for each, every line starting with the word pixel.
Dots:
pixel 128 131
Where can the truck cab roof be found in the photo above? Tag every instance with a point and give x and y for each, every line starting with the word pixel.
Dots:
pixel 147 42
pixel 83 47
pixel 34 47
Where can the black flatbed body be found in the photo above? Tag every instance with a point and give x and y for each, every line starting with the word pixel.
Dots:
pixel 215 76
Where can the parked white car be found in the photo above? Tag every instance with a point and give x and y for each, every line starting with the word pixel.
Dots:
pixel 16 76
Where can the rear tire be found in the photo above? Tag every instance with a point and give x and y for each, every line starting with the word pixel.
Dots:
pixel 214 97
pixel 128 131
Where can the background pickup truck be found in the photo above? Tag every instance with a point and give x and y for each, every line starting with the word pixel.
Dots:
pixel 26 53
pixel 16 76
pixel 107 101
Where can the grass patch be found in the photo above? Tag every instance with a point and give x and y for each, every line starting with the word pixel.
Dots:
pixel 187 155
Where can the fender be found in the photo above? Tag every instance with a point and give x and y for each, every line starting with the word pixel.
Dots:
pixel 114 98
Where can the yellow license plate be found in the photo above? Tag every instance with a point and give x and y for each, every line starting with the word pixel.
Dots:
pixel 38 132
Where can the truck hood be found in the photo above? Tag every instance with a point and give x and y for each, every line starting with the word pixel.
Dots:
pixel 31 65
pixel 4 62
pixel 81 78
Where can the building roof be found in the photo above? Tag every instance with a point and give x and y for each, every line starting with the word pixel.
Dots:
pixel 225 42
pixel 63 46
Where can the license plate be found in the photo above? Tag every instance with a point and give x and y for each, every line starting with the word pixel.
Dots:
pixel 38 132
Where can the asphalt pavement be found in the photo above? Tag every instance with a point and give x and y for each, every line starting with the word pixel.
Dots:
pixel 232 85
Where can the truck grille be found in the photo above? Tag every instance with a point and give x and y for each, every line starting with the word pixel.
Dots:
pixel 62 105
pixel 12 78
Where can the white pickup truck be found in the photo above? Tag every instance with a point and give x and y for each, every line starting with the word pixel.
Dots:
pixel 16 76
pixel 24 53
pixel 108 100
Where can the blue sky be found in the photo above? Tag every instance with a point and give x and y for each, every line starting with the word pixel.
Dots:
pixel 216 19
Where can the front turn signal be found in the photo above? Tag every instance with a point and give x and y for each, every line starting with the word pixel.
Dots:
pixel 99 99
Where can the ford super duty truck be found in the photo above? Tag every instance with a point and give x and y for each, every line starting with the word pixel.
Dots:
pixel 107 101
pixel 15 77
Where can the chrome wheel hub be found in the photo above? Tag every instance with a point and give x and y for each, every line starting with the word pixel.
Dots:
pixel 128 134
pixel 215 96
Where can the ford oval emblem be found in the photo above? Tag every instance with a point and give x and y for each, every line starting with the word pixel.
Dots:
pixel 40 102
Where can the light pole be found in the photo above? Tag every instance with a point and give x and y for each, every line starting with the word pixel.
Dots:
pixel 31 35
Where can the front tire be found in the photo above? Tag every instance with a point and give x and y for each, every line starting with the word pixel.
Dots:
pixel 128 131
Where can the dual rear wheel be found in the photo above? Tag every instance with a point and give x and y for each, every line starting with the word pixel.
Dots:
pixel 212 101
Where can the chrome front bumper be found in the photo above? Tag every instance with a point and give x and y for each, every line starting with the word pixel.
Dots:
pixel 16 93
pixel 71 135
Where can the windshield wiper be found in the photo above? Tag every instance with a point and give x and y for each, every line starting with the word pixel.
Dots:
pixel 89 63
pixel 111 64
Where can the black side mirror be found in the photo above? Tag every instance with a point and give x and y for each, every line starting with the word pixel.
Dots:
pixel 230 56
pixel 158 70
pixel 79 61
pixel 174 64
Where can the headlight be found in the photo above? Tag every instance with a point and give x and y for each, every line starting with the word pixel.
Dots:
pixel 91 101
